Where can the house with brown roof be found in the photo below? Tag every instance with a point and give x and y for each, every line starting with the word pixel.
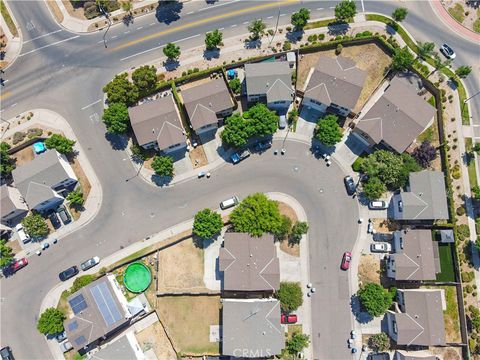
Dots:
pixel 418 317
pixel 157 124
pixel 396 119
pixel 12 204
pixel 334 85
pixel 249 264
pixel 416 256
pixel 206 104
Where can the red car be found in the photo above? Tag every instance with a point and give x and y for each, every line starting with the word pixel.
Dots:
pixel 17 265
pixel 347 257
pixel 289 319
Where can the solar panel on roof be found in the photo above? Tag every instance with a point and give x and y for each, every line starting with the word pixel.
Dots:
pixel 106 304
pixel 73 325
pixel 78 304
pixel 80 340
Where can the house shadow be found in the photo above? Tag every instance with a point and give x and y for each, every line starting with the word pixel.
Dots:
pixel 161 181
pixel 171 65
pixel 117 142
pixel 168 11
pixel 361 316
pixel 252 43
pixel 211 54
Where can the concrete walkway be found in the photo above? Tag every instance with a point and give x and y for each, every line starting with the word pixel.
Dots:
pixel 14 43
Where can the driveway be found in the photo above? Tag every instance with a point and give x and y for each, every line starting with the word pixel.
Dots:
pixel 212 145
pixel 307 121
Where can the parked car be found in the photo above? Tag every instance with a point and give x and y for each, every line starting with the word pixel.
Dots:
pixel 347 258
pixel 69 273
pixel 448 51
pixel 18 264
pixel 22 234
pixel 66 346
pixel 90 263
pixel 53 217
pixel 262 145
pixel 64 215
pixel 282 122
pixel 382 237
pixel 377 205
pixel 225 204
pixel 350 185
pixel 61 336
pixel 370 229
pixel 237 157
pixel 6 353
pixel 380 247
pixel 288 319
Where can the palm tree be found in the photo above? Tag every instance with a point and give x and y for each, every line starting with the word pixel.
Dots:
pixel 438 63
pixel 425 49
pixel 127 6
pixel 257 28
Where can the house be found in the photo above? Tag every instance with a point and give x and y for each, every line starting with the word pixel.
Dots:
pixel 270 82
pixel 414 355
pixel 125 347
pixel 424 200
pixel 157 124
pixel 42 181
pixel 418 318
pixel 334 85
pixel 415 257
pixel 252 328
pixel 396 119
pixel 12 204
pixel 249 264
pixel 99 310
pixel 206 103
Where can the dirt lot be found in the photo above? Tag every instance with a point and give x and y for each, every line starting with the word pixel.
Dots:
pixel 447 353
pixel 154 337
pixel 286 210
pixel 198 154
pixel 187 320
pixel 369 269
pixel 24 156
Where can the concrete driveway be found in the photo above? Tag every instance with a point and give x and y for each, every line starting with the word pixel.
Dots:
pixel 307 121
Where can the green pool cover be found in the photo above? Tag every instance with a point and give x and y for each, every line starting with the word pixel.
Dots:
pixel 137 277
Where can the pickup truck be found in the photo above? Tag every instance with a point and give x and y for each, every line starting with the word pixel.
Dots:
pixel 237 157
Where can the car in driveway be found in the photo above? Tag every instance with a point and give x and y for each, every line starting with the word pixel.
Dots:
pixel 53 217
pixel 289 319
pixel 22 234
pixel 381 247
pixel 282 122
pixel 239 156
pixel 448 51
pixel 69 273
pixel 349 185
pixel 90 263
pixel 65 346
pixel 63 213
pixel 61 336
pixel 6 353
pixel 382 237
pixel 19 264
pixel 377 205
pixel 262 145
pixel 346 259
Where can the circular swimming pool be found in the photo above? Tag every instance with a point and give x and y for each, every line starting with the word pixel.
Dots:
pixel 137 277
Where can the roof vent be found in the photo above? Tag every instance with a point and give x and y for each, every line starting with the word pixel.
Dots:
pixel 268 84
pixel 210 104
pixel 420 194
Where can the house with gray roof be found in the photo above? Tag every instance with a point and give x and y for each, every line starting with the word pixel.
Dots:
pixel 252 328
pixel 42 180
pixel 418 317
pixel 12 205
pixel 334 85
pixel 414 355
pixel 424 200
pixel 249 264
pixel 157 124
pixel 270 82
pixel 397 118
pixel 206 104
pixel 416 256
pixel 125 347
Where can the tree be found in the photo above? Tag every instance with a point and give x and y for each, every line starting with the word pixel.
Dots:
pixel 477 243
pixel 476 192
pixel 163 165
pixel 121 90
pixel 6 162
pixel 402 59
pixel 374 188
pixel 127 6
pixel 35 225
pixel 284 229
pixel 463 71
pixel 345 10
pixel 235 85
pixel 424 154
pixel 51 321
pixel 476 148
pixel 379 342
pixel 81 282
pixel 328 131
pixel 171 51
pixel 213 39
pixel 76 198
pixel 375 299
pixel 300 228
pixel 256 215
pixel 6 253
pixel 399 14
pixel 438 63
pixel 300 18
pixel 256 28
pixel 116 118
pixel 207 223
pixel 145 78
pixel 297 343
pixel 290 296
pixel 60 143
pixel 425 49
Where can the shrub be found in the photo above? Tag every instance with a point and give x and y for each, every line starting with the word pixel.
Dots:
pixel 235 85
pixel 460 211
pixel 163 165
pixel 321 36
pixel 18 137
pixel 207 223
pixel 35 225
pixel 290 296
pixel 463 232
pixel 379 342
pixel 287 46
pixel 51 322
pixel 339 49
pixel 297 343
pixel 80 282
pixel 34 132
pixel 467 276
pixel 60 143
pixel 357 164
pixel 76 198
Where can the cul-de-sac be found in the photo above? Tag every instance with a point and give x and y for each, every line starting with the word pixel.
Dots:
pixel 240 179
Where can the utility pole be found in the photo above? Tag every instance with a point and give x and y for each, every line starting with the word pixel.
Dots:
pixel 276 25
pixel 102 10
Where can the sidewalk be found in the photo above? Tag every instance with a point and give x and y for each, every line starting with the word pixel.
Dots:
pixel 14 44
pixel 92 204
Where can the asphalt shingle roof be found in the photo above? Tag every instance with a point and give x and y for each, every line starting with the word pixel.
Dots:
pixel 270 78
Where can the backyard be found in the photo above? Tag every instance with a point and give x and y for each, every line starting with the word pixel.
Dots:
pixel 154 338
pixel 447 273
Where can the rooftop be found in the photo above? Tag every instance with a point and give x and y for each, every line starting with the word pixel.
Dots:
pixel 271 78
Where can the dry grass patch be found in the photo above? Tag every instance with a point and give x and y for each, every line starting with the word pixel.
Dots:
pixel 369 269
pixel 293 250
pixel 84 184
pixel 450 353
pixel 76 13
pixel 24 156
pixel 52 4
pixel 154 337
pixel 385 225
pixel 198 157
pixel 15 246
pixel 187 320
pixel 192 84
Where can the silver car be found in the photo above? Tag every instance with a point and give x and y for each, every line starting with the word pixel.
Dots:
pixel 90 263
pixel 381 247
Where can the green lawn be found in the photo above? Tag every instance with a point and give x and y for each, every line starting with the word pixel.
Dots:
pixel 457 12
pixel 431 101
pixel 472 172
pixel 446 263
pixel 318 24
pixel 8 19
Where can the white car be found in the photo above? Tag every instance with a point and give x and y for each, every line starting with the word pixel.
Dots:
pixel 377 205
pixel 22 234
pixel 381 247
pixel 90 263
pixel 448 52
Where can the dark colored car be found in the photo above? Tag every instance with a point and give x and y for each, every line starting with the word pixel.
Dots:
pixel 347 257
pixel 349 185
pixel 237 157
pixel 263 145
pixel 69 273
pixel 63 213
pixel 18 264
pixel 53 217
pixel 289 319
pixel 6 353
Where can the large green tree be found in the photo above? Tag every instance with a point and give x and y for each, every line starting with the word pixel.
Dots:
pixel 60 143
pixel 300 18
pixel 402 59
pixel 6 162
pixel 345 10
pixel 399 14
pixel 116 118
pixel 6 253
pixel 298 230
pixel 163 165
pixel 290 296
pixel 35 225
pixel 256 215
pixel 284 229
pixel 171 51
pixel 257 29
pixel 297 343
pixel 374 188
pixel 375 299
pixel 379 342
pixel 121 90
pixel 207 223
pixel 51 321
pixel 328 131
pixel 425 49
pixel 145 78
pixel 213 39
pixel 75 198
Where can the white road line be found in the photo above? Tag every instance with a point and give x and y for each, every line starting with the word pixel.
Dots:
pixel 245 23
pixel 140 28
pixel 127 32
pixel 319 9
pixel 363 7
pixel 332 7
pixel 93 103
pixel 14 105
pixel 221 29
pixel 187 38
pixel 41 36
pixel 5 81
pixel 114 36
pixel 190 13
pixel 151 24
pixel 283 14
pixel 214 6
pixel 233 25
pixel 45 46
pixel 101 41
pixel 270 17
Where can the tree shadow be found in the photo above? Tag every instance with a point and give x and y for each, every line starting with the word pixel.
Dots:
pixel 168 11
pixel 452 84
pixel 202 243
pixel 161 181
pixel 117 142
pixel 294 36
pixel 171 64
pixel 253 43
pixel 338 28
pixel 128 20
pixel 361 316
pixel 211 54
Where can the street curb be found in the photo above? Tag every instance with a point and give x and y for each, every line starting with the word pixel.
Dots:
pixel 20 35
pixel 469 33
